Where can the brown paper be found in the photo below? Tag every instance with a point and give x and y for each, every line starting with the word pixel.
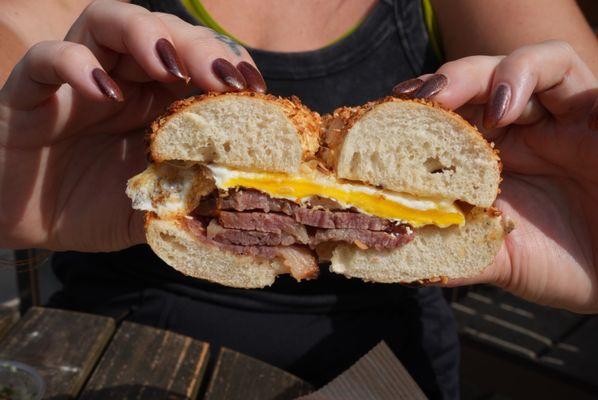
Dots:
pixel 378 375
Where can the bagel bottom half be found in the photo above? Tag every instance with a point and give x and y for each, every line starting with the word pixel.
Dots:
pixel 435 253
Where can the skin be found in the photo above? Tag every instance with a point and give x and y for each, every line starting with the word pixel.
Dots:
pixel 69 149
pixel 550 159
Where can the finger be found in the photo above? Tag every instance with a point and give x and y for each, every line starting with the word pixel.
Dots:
pixel 130 29
pixel 470 84
pixel 468 81
pixel 48 65
pixel 126 68
pixel 210 57
pixel 551 69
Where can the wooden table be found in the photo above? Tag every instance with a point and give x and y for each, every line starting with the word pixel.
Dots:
pixel 88 357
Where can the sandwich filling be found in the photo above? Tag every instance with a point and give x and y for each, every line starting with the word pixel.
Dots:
pixel 279 216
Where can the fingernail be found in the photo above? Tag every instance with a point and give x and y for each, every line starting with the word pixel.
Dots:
pixel 407 88
pixel 497 106
pixel 255 81
pixel 228 74
pixel 170 59
pixel 106 85
pixel 593 119
pixel 431 87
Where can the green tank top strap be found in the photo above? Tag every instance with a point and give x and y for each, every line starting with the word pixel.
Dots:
pixel 199 12
pixel 196 9
pixel 433 30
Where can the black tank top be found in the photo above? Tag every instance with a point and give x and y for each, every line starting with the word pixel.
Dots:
pixel 391 45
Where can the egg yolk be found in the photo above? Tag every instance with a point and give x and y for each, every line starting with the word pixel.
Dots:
pixel 373 202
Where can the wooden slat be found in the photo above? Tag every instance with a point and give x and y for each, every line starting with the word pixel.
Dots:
pixel 237 376
pixel 148 363
pixel 62 345
pixel 500 319
pixel 577 355
pixel 488 373
pixel 7 320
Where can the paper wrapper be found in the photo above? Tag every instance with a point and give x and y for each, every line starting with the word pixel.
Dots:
pixel 378 375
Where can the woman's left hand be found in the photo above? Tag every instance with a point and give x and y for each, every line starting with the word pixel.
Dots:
pixel 539 106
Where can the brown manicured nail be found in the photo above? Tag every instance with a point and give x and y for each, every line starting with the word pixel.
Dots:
pixel 228 74
pixel 407 88
pixel 593 119
pixel 170 59
pixel 431 87
pixel 497 106
pixel 106 85
pixel 255 81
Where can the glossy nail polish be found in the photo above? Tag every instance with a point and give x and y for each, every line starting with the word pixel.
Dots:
pixel 497 107
pixel 106 85
pixel 170 59
pixel 228 74
pixel 253 77
pixel 407 88
pixel 431 87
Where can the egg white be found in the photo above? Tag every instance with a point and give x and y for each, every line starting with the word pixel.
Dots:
pixel 441 212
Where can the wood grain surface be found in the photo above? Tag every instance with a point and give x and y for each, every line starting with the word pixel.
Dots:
pixel 62 345
pixel 237 376
pixel 143 362
pixel 8 318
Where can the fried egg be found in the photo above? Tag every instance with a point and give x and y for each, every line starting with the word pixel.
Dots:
pixel 401 207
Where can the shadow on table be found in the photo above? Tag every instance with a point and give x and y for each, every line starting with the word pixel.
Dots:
pixel 135 391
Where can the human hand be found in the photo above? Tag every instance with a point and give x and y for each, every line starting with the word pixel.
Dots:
pixel 536 105
pixel 66 151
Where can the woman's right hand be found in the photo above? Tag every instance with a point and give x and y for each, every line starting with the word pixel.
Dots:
pixel 66 151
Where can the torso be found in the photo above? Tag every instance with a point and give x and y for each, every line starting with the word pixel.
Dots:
pixel 288 26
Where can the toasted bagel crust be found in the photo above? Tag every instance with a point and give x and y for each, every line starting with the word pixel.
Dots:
pixel 338 123
pixel 306 122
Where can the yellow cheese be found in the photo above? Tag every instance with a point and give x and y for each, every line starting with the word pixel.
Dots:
pixel 414 210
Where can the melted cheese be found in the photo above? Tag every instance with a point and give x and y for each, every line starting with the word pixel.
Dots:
pixel 401 207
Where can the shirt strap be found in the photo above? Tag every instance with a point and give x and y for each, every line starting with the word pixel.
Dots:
pixel 432 27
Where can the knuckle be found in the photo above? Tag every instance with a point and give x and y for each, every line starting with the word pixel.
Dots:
pixel 39 47
pixel 522 59
pixel 141 21
pixel 69 51
pixel 94 6
pixel 69 54
pixel 200 39
pixel 563 46
pixel 166 17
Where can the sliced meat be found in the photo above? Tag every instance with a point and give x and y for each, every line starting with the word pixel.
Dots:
pixel 264 222
pixel 265 252
pixel 340 220
pixel 300 261
pixel 244 200
pixel 362 238
pixel 220 234
pixel 197 229
pixel 324 203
